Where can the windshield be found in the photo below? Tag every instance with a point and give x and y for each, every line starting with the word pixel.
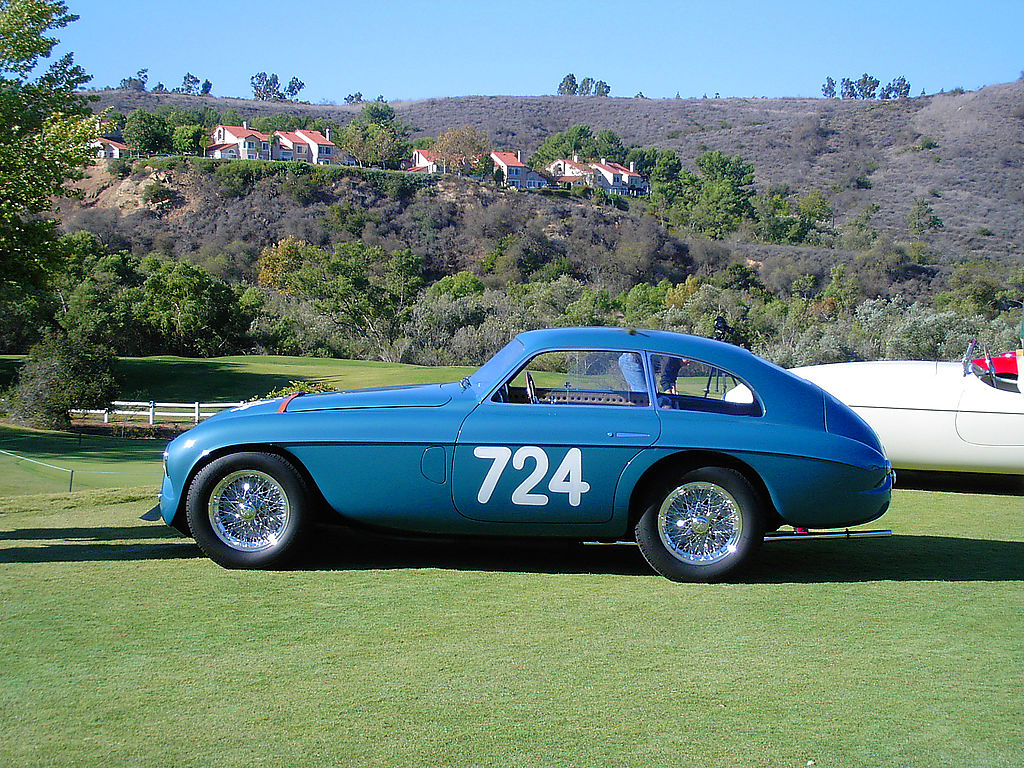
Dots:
pixel 491 371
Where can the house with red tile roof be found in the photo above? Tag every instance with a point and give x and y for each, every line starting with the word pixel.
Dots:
pixel 616 179
pixel 242 142
pixel 307 146
pixel 571 173
pixel 238 142
pixel 613 178
pixel 110 148
pixel 424 161
pixel 516 173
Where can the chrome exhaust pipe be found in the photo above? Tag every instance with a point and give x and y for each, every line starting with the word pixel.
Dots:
pixel 847 534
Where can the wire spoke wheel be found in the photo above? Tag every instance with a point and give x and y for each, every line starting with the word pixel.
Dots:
pixel 703 526
pixel 700 523
pixel 249 510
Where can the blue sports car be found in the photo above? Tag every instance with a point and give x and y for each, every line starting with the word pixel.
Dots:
pixel 692 447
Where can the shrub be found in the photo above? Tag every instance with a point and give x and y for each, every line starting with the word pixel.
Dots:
pixel 61 374
pixel 119 167
pixel 159 194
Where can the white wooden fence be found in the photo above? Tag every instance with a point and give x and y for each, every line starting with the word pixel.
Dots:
pixel 152 411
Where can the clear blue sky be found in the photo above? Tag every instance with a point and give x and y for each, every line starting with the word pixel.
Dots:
pixel 405 49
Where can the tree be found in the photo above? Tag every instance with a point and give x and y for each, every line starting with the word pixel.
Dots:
pixel 608 145
pixel 62 373
pixel 354 98
pixel 866 86
pixel 189 139
pixel 189 84
pixel 205 88
pixel 568 86
pixel 148 133
pixel 379 113
pixel 922 217
pixel 266 87
pixel 459 148
pixel 828 90
pixel 897 89
pixel 586 86
pixel 847 89
pixel 376 138
pixel 190 311
pixel 294 86
pixel 45 132
pixel 366 292
pixel 601 88
pixel 136 82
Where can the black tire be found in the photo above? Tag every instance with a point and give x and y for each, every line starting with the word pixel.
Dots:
pixel 704 527
pixel 248 510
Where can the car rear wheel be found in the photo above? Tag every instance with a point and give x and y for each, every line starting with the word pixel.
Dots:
pixel 702 528
pixel 248 510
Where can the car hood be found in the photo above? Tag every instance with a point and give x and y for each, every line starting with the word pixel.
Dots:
pixel 908 384
pixel 417 396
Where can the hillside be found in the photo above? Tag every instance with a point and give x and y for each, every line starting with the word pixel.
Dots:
pixel 860 153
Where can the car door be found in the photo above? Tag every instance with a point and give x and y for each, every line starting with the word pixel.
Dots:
pixel 551 442
pixel 990 415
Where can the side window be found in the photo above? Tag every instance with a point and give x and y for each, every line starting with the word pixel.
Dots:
pixel 692 385
pixel 579 377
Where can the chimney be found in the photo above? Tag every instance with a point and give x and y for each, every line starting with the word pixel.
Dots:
pixel 603 161
pixel 519 155
pixel 632 167
pixel 575 158
pixel 328 134
pixel 245 124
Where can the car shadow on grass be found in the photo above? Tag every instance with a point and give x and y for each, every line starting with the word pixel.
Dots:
pixel 896 558
pixel 341 549
pixel 101 543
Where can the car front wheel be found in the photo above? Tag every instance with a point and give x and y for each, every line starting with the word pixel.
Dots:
pixel 702 528
pixel 248 510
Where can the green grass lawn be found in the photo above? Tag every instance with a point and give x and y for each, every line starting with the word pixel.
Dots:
pixel 39 461
pixel 228 379
pixel 120 645
pixel 186 379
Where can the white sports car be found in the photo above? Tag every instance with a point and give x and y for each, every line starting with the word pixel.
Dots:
pixel 950 417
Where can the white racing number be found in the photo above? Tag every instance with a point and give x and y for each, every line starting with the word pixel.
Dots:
pixel 567 479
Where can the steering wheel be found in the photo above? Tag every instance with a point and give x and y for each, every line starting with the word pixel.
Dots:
pixel 531 388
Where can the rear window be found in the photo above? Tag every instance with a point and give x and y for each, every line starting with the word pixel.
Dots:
pixel 682 384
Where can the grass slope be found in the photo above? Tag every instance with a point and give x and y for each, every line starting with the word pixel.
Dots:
pixel 122 646
pixel 242 377
pixel 168 378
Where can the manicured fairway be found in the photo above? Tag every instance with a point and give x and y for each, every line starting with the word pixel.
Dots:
pixel 186 379
pixel 120 645
pixel 39 461
pixel 242 377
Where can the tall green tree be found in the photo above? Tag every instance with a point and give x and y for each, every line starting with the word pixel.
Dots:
pixel 459 148
pixel 579 140
pixel 148 133
pixel 266 87
pixel 376 138
pixel 368 293
pixel 45 131
pixel 190 311
pixel 568 86
pixel 189 139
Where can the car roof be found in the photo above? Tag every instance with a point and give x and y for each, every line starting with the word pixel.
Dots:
pixel 667 342
pixel 785 395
